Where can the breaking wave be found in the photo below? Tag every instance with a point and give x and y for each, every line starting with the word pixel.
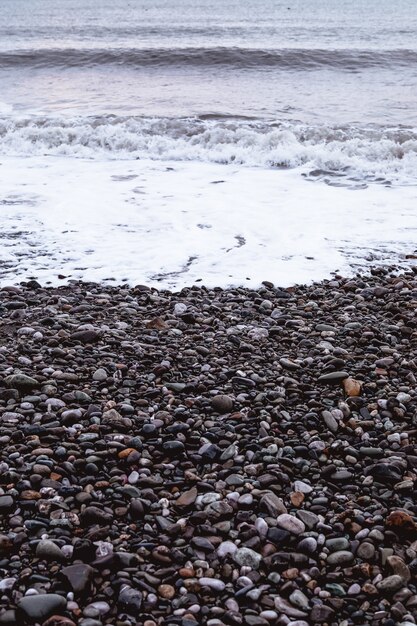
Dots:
pixel 361 152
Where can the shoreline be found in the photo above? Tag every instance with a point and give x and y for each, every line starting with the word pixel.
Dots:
pixel 209 456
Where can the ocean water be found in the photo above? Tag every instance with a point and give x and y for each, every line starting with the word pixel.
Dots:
pixel 213 142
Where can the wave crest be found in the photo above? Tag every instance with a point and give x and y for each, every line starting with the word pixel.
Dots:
pixel 287 58
pixel 362 153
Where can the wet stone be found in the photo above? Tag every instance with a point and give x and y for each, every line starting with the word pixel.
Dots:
pixel 249 458
pixel 37 608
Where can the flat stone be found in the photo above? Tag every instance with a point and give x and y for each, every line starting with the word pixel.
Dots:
pixel 321 613
pixel 37 608
pixel 309 518
pixel 303 487
pixel 213 583
pixel 187 498
pixel 289 365
pixel 291 523
pixel 274 505
pixel 79 576
pixel 21 382
pixel 399 567
pixel 333 377
pixel 340 558
pixel 283 606
pixel 85 336
pixel 390 584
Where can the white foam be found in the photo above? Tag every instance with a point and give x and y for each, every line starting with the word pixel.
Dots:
pixel 170 224
pixel 5 109
pixel 353 153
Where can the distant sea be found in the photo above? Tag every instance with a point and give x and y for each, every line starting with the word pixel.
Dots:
pixel 223 143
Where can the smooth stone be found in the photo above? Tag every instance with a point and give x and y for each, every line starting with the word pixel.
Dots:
pixel 100 375
pixel 366 551
pixel 247 557
pixel 390 584
pixel 40 607
pixel 333 377
pixel 291 523
pixel 337 543
pixel 309 518
pixel 166 591
pixel 321 613
pixel 340 557
pixel 273 504
pixel 300 600
pixel 6 504
pixel 213 583
pixel 49 551
pixel 399 567
pixel 222 404
pixel 21 381
pixel 302 487
pixel 330 421
pixel 308 545
pixel 99 605
pixel 226 547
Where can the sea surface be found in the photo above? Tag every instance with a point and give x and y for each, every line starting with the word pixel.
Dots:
pixel 220 143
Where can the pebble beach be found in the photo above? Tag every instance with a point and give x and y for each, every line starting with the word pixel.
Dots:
pixel 209 456
pixel 208 293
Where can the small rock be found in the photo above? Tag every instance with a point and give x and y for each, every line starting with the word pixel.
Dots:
pixel 247 557
pixel 352 387
pixel 291 523
pixel 222 404
pixel 79 576
pixel 37 608
pixel 21 382
pixel 166 591
pixel 213 583
pixel 390 584
pixel 333 377
pixel 49 551
pixel 100 375
pixel 187 498
pixel 340 558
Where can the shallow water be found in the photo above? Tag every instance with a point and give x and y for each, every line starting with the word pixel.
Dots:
pixel 303 102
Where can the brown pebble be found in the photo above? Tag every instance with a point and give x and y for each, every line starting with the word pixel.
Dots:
pixel 297 498
pixel 352 387
pixel 166 591
pixel 186 572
